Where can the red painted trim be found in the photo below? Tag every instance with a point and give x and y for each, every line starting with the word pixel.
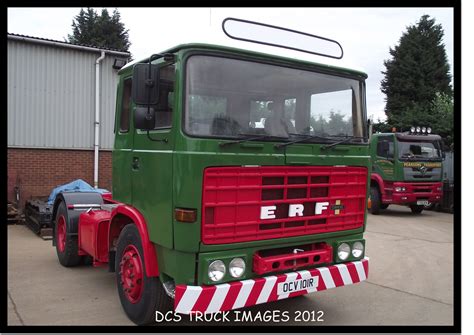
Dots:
pixel 417 190
pixel 61 234
pixel 376 177
pixel 249 189
pixel 149 252
pixel 262 265
pixel 131 274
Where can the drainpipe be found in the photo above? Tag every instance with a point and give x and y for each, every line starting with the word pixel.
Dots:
pixel 97 118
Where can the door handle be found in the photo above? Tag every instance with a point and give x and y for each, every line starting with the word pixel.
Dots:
pixel 135 163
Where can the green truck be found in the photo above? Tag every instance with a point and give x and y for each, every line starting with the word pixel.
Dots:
pixel 406 169
pixel 235 183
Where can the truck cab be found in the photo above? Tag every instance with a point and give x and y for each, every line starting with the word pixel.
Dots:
pixel 406 170
pixel 239 178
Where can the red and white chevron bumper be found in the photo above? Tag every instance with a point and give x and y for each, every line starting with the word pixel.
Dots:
pixel 245 293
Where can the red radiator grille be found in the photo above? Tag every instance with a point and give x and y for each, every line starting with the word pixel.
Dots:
pixel 233 198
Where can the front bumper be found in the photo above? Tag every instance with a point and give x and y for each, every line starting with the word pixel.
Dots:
pixel 246 293
pixel 417 191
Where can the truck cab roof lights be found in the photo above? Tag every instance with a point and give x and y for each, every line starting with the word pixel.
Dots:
pixel 266 34
pixel 423 130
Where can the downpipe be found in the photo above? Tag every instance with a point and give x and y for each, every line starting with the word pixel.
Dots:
pixel 97 118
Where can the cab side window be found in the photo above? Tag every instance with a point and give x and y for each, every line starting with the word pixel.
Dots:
pixel 125 111
pixel 164 108
pixel 385 147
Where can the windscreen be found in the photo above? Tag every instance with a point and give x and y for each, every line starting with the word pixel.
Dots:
pixel 229 98
pixel 419 150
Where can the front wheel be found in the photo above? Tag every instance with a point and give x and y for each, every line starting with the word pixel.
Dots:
pixel 139 294
pixel 417 209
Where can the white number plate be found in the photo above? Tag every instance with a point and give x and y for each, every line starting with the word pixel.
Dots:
pixel 423 202
pixel 297 285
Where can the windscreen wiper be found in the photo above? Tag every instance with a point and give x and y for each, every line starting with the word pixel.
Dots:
pixel 348 139
pixel 306 137
pixel 254 138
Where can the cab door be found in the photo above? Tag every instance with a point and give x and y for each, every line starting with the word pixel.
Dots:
pixel 384 164
pixel 122 153
pixel 151 164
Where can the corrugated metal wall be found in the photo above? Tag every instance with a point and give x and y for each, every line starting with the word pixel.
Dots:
pixel 51 97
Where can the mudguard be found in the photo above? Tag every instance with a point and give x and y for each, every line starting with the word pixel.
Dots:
pixel 149 251
pixel 70 199
pixel 377 178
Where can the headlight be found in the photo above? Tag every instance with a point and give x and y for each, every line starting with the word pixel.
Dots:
pixel 237 267
pixel 418 129
pixel 423 130
pixel 428 130
pixel 343 251
pixel 400 189
pixel 412 129
pixel 357 249
pixel 216 270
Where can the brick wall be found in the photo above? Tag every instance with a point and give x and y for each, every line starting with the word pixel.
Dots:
pixel 37 171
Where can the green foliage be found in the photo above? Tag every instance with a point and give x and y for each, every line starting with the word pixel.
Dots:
pixel 336 125
pixel 442 114
pixel 206 107
pixel 415 75
pixel 102 30
pixel 381 127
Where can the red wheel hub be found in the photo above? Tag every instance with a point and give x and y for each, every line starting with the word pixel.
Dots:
pixel 61 234
pixel 131 274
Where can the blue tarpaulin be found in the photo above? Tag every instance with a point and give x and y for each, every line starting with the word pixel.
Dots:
pixel 77 185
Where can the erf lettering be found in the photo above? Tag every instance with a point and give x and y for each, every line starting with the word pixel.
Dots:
pixel 268 212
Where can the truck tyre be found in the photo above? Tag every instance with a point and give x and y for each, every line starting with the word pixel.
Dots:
pixel 417 209
pixel 375 198
pixel 66 245
pixel 139 294
pixel 383 206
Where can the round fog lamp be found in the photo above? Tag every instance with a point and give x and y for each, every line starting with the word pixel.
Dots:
pixel 343 251
pixel 418 129
pixel 237 267
pixel 412 129
pixel 428 130
pixel 216 270
pixel 357 249
pixel 423 130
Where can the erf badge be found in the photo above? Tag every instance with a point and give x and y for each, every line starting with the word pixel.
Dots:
pixel 337 207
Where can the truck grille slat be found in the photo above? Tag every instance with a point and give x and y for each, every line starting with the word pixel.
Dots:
pixel 233 198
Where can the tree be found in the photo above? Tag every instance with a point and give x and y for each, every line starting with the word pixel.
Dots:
pixel 442 108
pixel 381 127
pixel 416 73
pixel 102 30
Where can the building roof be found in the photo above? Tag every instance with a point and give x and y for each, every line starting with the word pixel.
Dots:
pixel 33 39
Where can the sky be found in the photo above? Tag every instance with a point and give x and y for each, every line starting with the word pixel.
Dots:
pixel 366 34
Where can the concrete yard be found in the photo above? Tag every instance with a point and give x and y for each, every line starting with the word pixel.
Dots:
pixel 410 282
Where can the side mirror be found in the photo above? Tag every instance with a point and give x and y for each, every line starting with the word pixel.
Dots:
pixel 144 118
pixel 145 90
